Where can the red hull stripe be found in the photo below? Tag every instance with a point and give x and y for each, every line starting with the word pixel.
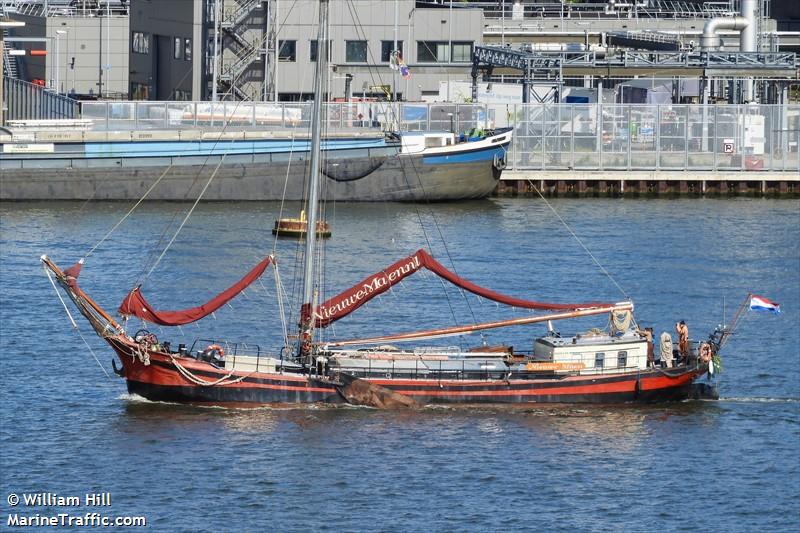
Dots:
pixel 162 372
pixel 598 388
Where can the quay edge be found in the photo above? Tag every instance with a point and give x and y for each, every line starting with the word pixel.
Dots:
pixel 646 184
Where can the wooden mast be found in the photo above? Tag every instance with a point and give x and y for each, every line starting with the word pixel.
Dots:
pixel 309 282
pixel 446 332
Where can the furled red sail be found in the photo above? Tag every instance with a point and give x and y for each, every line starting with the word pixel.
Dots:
pixel 136 305
pixel 348 301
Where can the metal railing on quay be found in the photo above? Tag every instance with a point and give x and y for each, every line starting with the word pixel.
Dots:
pixel 27 101
pixel 547 136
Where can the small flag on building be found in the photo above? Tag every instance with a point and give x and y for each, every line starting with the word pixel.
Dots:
pixel 397 63
pixel 759 303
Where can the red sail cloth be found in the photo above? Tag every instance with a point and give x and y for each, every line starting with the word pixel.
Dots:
pixel 72 273
pixel 136 305
pixel 348 301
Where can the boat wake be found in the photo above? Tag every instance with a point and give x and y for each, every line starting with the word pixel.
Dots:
pixel 759 400
pixel 135 398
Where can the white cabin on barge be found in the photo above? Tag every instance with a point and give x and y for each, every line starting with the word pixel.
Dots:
pixel 594 352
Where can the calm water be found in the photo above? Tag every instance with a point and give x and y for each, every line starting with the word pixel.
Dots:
pixel 731 465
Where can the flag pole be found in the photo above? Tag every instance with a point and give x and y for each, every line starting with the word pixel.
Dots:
pixel 727 331
pixel 396 51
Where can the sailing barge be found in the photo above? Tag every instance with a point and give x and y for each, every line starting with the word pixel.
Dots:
pixel 594 367
pixel 609 366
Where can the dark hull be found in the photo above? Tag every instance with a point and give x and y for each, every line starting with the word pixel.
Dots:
pixel 231 395
pixel 262 177
pixel 162 381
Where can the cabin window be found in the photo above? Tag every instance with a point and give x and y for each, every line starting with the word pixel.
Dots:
pixel 287 51
pixel 355 51
pixel 187 49
pixel 622 359
pixel 140 43
pixel 387 47
pixel 177 51
pixel 599 359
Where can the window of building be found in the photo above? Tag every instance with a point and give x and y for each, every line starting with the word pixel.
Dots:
pixel 599 359
pixel 622 359
pixel 287 51
pixel 177 49
pixel 355 51
pixel 187 49
pixel 432 52
pixel 386 50
pixel 139 91
pixel 140 43
pixel 462 52
pixel 312 56
pixel 443 52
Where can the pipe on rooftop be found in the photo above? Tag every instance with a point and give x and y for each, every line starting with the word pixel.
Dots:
pixel 711 42
pixel 745 24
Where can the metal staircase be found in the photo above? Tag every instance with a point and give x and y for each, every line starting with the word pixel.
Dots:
pixel 241 47
pixel 10 68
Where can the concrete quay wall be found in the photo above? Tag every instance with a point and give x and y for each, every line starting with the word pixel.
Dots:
pixel 639 183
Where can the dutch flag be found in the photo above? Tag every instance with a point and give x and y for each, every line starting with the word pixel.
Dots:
pixel 759 303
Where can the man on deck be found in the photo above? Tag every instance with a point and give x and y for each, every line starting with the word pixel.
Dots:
pixel 683 339
pixel 647 333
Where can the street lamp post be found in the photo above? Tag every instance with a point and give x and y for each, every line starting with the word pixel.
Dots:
pixel 59 33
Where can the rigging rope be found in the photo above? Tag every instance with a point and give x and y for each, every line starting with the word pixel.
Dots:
pixel 74 324
pixel 403 164
pixel 131 210
pixel 189 214
pixel 279 296
pixel 596 262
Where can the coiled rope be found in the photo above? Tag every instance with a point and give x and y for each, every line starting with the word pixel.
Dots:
pixel 203 383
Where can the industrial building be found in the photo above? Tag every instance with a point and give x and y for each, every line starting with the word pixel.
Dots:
pixel 266 50
pixel 601 95
pixel 77 47
pixel 580 51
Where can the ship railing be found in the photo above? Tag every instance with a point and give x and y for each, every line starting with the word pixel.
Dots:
pixel 470 370
pixel 231 348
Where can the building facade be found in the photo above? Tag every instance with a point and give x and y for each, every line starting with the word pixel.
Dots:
pixel 83 52
pixel 166 50
pixel 174 54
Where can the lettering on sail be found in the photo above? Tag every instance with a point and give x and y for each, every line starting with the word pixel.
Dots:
pixel 356 296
